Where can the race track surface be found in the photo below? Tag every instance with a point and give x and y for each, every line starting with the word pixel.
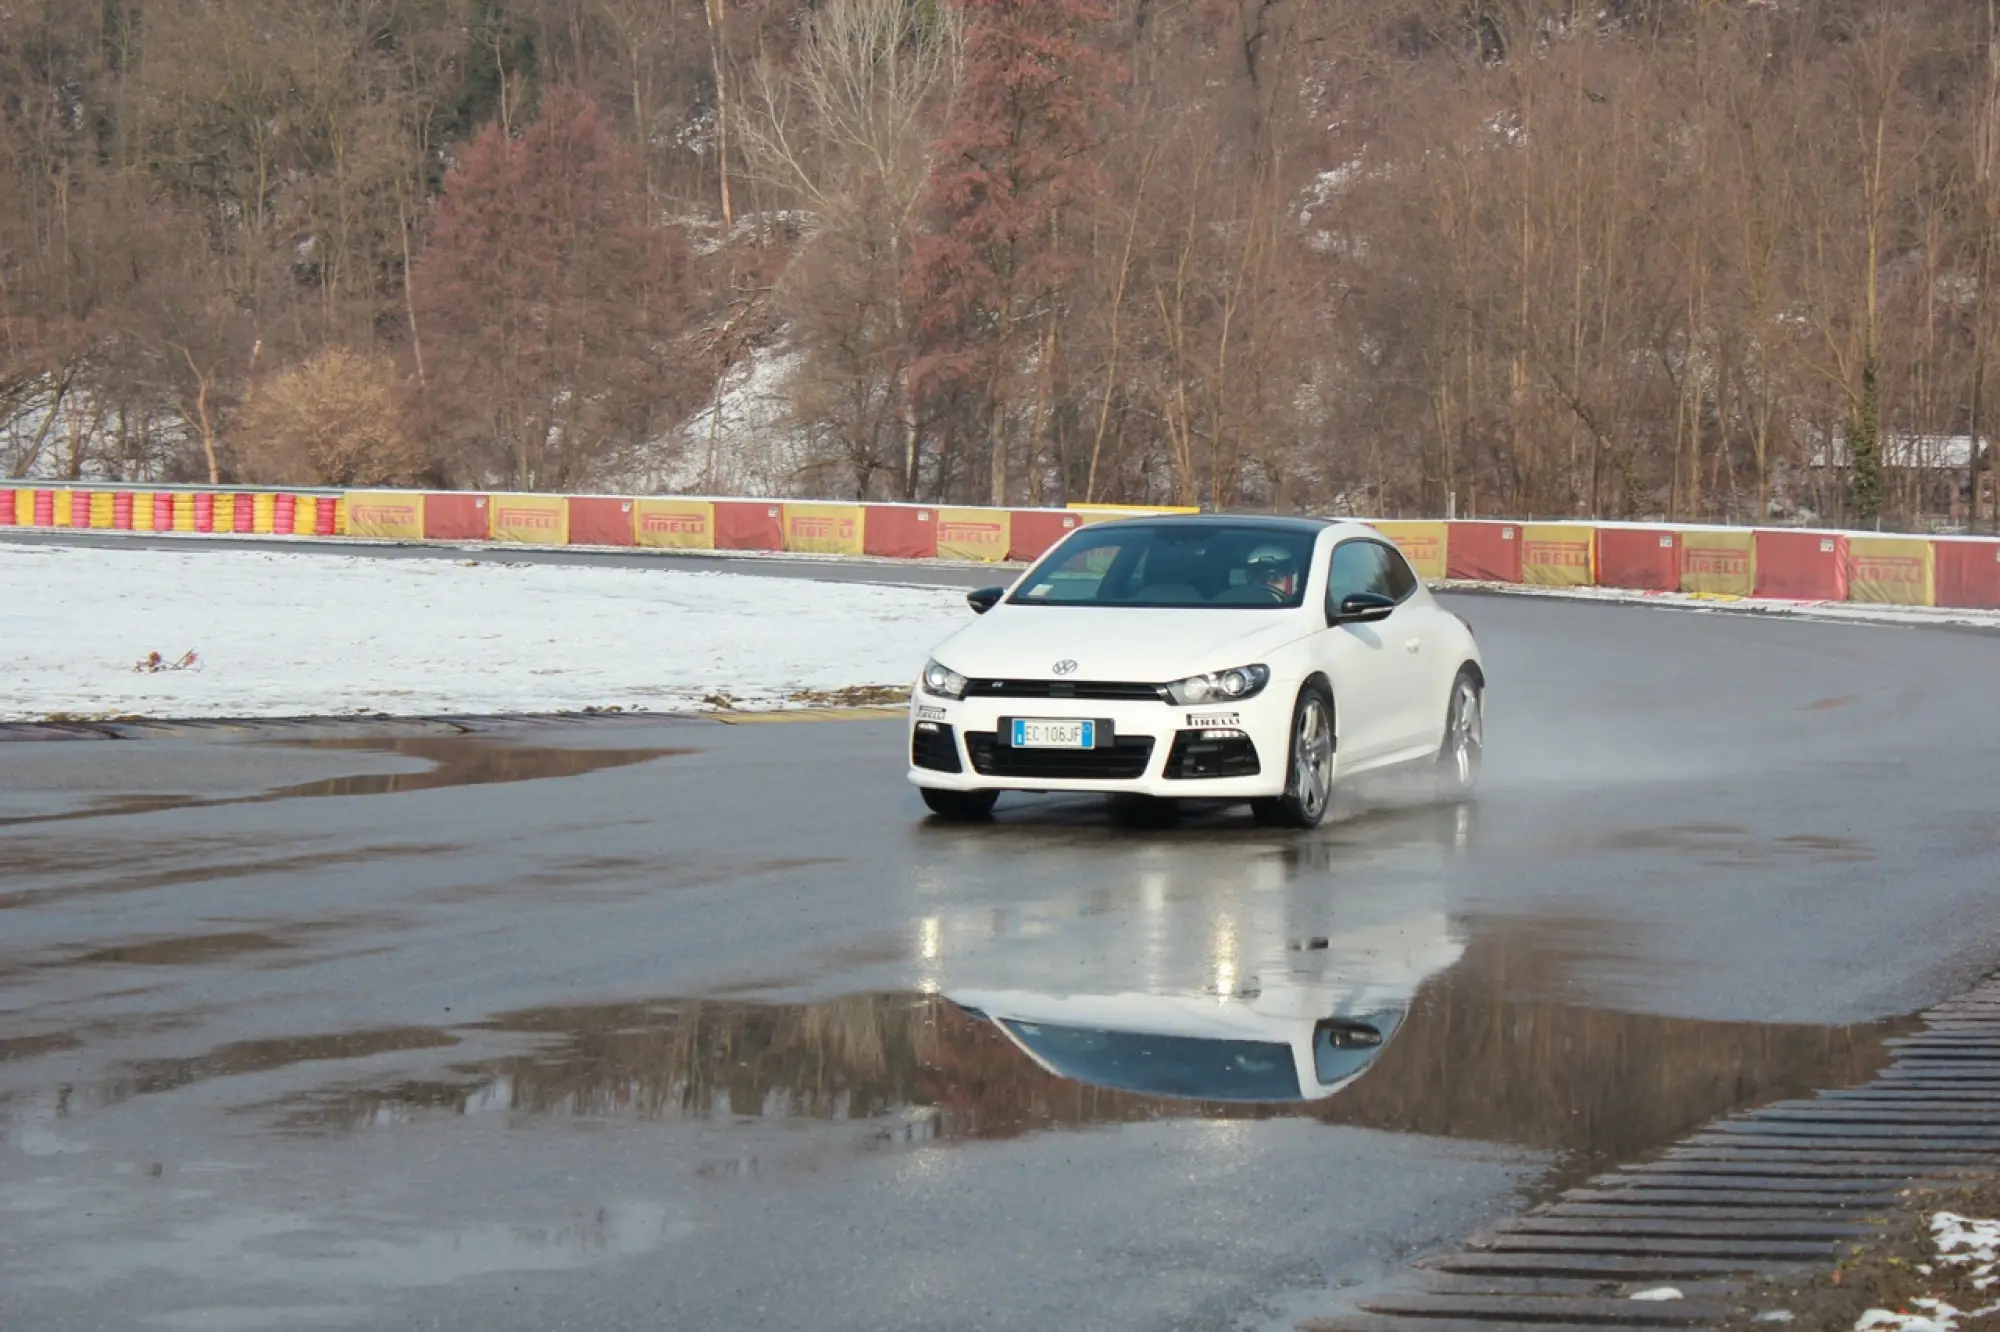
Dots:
pixel 649 1024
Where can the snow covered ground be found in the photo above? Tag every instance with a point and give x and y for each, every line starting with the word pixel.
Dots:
pixel 279 633
pixel 284 634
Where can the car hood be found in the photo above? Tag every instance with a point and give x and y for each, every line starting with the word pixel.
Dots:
pixel 1155 646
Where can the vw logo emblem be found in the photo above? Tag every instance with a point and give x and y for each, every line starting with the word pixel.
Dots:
pixel 1065 667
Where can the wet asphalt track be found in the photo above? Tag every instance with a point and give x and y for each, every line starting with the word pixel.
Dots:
pixel 639 1025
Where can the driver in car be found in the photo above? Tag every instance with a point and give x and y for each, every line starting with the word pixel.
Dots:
pixel 1275 568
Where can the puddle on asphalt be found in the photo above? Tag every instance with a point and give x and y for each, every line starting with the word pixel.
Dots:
pixel 1474 1055
pixel 455 760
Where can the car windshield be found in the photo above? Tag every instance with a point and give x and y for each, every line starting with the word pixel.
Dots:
pixel 1190 1066
pixel 1212 564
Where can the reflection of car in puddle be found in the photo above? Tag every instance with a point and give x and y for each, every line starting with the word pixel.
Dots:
pixel 1302 1029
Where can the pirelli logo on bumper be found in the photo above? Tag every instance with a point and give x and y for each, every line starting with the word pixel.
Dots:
pixel 388 515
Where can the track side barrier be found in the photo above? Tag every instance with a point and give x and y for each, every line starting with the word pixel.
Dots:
pixel 1954 572
pixel 823 529
pixel 597 520
pixel 1892 571
pixel 1558 555
pixel 1645 559
pixel 1806 566
pixel 1968 574
pixel 1484 552
pixel 1719 563
pixel 984 535
pixel 451 516
pixel 749 525
pixel 674 524
pixel 900 531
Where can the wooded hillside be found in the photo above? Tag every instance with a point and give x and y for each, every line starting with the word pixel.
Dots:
pixel 1520 257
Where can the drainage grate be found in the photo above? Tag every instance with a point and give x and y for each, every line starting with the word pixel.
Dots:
pixel 1777 1191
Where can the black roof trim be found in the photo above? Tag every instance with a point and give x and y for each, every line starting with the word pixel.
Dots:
pixel 1268 521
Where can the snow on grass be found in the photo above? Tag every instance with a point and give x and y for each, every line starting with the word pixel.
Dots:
pixel 286 634
pixel 1962 1242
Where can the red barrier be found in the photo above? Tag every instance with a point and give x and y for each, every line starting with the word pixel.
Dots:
pixel 1968 575
pixel 1487 552
pixel 244 516
pixel 749 525
pixel 285 515
pixel 1810 566
pixel 45 508
pixel 1034 531
pixel 204 512
pixel 163 511
pixel 600 522
pixel 454 517
pixel 900 532
pixel 325 515
pixel 7 507
pixel 79 508
pixel 1647 558
pixel 121 510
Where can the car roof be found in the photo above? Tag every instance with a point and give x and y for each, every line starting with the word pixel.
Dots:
pixel 1302 526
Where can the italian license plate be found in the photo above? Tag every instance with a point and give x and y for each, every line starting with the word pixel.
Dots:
pixel 1054 734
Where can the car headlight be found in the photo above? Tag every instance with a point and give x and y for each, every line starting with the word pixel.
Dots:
pixel 943 681
pixel 1230 686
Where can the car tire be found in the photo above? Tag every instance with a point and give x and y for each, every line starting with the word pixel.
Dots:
pixel 1462 751
pixel 1308 766
pixel 960 806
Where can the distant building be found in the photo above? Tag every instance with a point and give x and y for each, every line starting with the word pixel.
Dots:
pixel 1924 477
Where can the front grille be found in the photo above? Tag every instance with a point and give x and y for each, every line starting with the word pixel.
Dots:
pixel 934 745
pixel 1121 761
pixel 1112 690
pixel 1193 758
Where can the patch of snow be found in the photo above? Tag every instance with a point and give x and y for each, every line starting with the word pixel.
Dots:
pixel 1967 1242
pixel 289 634
pixel 1659 1293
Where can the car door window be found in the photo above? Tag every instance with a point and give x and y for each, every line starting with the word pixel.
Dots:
pixel 1358 566
pixel 1402 578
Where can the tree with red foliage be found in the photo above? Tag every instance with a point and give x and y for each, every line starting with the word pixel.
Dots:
pixel 1013 162
pixel 557 304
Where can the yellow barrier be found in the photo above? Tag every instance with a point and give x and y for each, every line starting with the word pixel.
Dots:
pixel 395 515
pixel 536 520
pixel 1555 555
pixel 824 529
pixel 1892 571
pixel 974 534
pixel 1719 563
pixel 674 524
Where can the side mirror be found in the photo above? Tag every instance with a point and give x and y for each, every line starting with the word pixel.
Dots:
pixel 985 599
pixel 1364 608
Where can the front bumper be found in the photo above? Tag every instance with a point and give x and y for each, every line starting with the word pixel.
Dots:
pixel 1229 751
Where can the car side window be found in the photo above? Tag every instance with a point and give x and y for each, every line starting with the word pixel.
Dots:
pixel 1358 566
pixel 1402 578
